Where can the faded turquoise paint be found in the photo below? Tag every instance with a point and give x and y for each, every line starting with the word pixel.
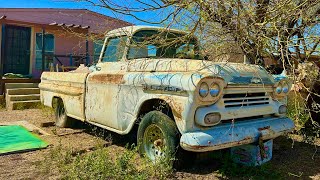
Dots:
pixel 248 80
pixel 238 133
pixel 178 79
pixel 278 78
pixel 251 154
pixel 183 81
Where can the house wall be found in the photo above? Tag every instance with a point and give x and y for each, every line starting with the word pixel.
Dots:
pixel 0 52
pixel 65 43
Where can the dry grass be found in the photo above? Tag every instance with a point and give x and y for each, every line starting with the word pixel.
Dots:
pixel 71 156
pixel 103 164
pixel 2 102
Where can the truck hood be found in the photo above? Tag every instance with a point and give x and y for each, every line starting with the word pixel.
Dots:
pixel 232 73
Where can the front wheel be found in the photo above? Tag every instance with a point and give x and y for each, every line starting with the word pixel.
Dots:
pixel 62 120
pixel 158 136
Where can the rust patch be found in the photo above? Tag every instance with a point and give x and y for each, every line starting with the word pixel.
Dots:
pixel 177 107
pixel 177 110
pixel 219 146
pixel 211 146
pixel 61 89
pixel 195 147
pixel 264 128
pixel 107 78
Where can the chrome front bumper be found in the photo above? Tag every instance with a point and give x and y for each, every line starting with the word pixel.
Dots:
pixel 238 133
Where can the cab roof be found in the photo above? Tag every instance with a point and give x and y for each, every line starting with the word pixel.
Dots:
pixel 130 30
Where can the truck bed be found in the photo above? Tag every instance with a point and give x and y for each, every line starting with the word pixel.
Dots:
pixel 69 86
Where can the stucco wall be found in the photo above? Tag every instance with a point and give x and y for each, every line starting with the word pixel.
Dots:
pixel 66 42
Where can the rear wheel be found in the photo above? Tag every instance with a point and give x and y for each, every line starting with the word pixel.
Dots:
pixel 158 136
pixel 62 120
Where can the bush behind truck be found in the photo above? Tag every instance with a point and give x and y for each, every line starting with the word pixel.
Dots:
pixel 155 78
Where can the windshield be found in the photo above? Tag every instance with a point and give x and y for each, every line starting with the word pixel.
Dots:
pixel 156 44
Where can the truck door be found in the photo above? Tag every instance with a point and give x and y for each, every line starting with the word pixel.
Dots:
pixel 103 85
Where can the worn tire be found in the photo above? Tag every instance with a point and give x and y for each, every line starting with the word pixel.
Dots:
pixel 62 120
pixel 158 136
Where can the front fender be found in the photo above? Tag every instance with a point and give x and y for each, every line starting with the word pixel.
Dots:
pixel 176 103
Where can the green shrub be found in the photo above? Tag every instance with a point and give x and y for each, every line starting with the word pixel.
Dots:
pixel 297 109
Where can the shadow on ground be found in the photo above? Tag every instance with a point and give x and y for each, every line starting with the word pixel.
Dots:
pixel 290 160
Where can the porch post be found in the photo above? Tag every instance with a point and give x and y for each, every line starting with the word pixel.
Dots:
pixel 2 44
pixel 2 49
pixel 43 48
pixel 87 48
pixel 2 88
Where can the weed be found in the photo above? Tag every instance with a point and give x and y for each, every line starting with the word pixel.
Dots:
pixel 300 114
pixel 297 110
pixel 45 110
pixel 22 106
pixel 2 102
pixel 103 164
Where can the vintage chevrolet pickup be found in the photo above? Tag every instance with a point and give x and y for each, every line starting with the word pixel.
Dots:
pixel 155 80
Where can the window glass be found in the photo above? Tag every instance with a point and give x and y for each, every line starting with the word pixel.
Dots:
pixel 155 44
pixel 49 42
pixel 115 49
pixel 152 50
pixel 97 47
pixel 185 50
pixel 49 49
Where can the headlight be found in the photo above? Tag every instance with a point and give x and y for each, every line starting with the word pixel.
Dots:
pixel 214 90
pixel 285 88
pixel 204 89
pixel 209 90
pixel 281 89
pixel 212 119
pixel 278 89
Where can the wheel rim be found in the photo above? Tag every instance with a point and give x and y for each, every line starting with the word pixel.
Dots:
pixel 154 142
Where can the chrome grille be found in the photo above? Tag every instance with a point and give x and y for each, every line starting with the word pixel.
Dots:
pixel 245 99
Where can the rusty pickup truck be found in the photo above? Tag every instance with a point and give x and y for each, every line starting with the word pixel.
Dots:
pixel 155 80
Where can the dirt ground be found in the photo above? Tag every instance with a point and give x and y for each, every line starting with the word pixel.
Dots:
pixel 291 160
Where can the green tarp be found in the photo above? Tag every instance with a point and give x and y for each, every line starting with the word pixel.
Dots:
pixel 17 138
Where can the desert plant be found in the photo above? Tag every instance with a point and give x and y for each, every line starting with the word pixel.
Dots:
pixel 297 109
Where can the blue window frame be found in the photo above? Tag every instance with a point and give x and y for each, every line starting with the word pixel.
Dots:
pixel 49 49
